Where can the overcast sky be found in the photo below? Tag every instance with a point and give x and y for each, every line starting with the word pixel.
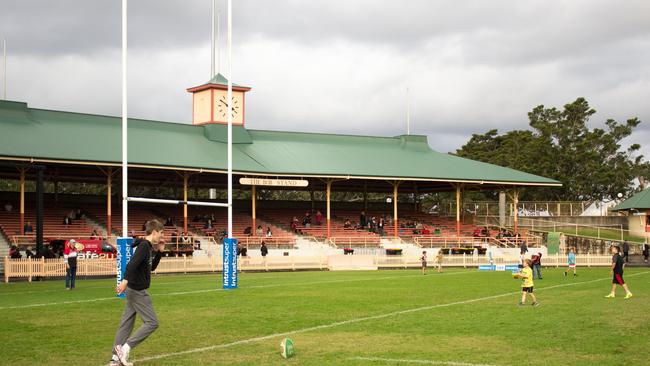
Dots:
pixel 342 66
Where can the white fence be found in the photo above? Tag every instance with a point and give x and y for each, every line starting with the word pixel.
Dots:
pixel 30 268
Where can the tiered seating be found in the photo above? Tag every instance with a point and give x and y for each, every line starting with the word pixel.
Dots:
pixel 53 226
pixel 280 238
pixel 339 235
pixel 138 215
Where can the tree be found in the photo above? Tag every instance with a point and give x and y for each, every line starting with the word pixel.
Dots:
pixel 590 163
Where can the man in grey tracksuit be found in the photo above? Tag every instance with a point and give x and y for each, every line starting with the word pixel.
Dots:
pixel 137 277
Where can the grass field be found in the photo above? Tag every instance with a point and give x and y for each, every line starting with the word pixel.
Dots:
pixel 460 317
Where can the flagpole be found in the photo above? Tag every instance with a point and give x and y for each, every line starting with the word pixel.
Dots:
pixel 212 43
pixel 408 113
pixel 4 68
pixel 125 184
pixel 229 99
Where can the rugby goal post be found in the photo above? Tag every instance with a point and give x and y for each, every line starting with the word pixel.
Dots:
pixel 124 243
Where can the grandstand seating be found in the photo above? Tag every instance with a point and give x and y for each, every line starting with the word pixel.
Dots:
pixel 53 226
pixel 279 220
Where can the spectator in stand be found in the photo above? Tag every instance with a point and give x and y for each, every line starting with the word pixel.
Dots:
pixel 418 228
pixel 347 224
pixel 319 218
pixel 175 237
pixel 14 253
pixel 372 225
pixel 49 252
pixel 248 231
pixel 169 222
pixel 259 231
pixel 29 253
pixel 185 238
pixel 646 252
pixel 485 232
pixel 362 219
pixel 208 224
pixel 476 233
pixel 94 235
pixel 306 221
pixel 263 249
pixel 294 224
pixel 626 251
pixel 78 215
pixel 380 226
pixel 536 260
pixel 8 207
pixel 66 221
pixel 28 229
pixel 70 257
pixel 269 233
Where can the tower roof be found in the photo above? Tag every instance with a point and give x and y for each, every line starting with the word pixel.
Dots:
pixel 219 82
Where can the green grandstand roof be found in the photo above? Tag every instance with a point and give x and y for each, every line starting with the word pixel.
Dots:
pixel 76 137
pixel 640 200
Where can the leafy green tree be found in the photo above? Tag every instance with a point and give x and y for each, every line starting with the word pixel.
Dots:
pixel 590 163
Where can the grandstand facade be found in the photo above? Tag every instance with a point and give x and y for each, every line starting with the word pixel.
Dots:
pixel 86 148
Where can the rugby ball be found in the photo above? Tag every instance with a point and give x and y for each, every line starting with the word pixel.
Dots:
pixel 286 347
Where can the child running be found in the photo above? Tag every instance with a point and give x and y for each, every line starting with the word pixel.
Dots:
pixel 527 284
pixel 571 258
pixel 617 269
pixel 439 261
pixel 423 259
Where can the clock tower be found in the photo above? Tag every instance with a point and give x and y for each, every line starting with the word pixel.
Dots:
pixel 210 102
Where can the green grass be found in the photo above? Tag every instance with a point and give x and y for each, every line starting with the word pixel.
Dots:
pixel 611 234
pixel 574 326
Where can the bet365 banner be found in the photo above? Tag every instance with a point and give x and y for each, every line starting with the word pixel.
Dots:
pixel 124 253
pixel 229 263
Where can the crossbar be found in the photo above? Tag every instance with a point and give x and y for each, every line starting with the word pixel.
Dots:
pixel 175 202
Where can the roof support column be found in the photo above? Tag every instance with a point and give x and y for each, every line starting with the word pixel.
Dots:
pixel 109 186
pixel 254 208
pixel 22 201
pixel 186 178
pixel 395 213
pixel 458 210
pixel 515 203
pixel 365 196
pixel 328 194
pixel 415 197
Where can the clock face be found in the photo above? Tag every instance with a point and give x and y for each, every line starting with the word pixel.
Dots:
pixel 222 106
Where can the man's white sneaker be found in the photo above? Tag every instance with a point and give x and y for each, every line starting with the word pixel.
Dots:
pixel 123 356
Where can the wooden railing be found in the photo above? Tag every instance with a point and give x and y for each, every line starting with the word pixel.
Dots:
pixel 471 241
pixel 354 241
pixel 288 242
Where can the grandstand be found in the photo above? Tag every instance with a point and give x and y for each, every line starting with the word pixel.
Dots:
pixel 190 156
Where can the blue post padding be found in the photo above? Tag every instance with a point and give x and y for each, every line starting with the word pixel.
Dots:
pixel 124 253
pixel 229 263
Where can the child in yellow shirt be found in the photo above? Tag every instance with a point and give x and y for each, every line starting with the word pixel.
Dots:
pixel 527 284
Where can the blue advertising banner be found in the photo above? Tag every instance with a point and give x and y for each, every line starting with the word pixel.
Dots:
pixel 499 267
pixel 230 263
pixel 124 253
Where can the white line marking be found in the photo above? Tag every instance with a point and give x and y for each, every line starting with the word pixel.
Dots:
pixel 220 289
pixel 421 362
pixel 358 320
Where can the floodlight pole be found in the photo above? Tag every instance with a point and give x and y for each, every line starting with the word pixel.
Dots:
pixel 125 182
pixel 408 113
pixel 4 68
pixel 229 98
pixel 212 43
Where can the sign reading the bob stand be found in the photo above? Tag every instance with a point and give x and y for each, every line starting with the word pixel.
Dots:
pixel 274 182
